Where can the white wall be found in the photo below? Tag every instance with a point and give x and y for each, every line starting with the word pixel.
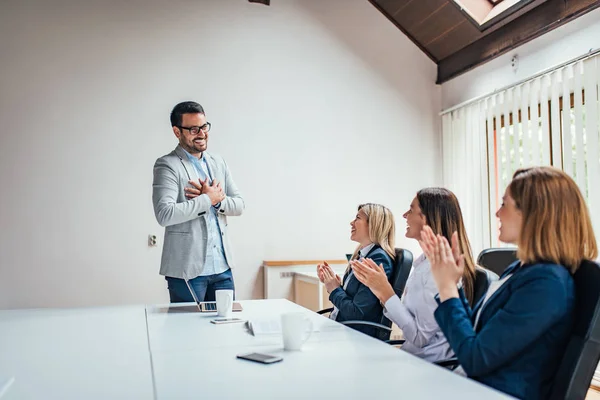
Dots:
pixel 560 45
pixel 316 106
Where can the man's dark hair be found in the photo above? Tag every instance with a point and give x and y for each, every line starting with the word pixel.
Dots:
pixel 187 107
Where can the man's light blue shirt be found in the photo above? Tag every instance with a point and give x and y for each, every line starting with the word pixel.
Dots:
pixel 215 262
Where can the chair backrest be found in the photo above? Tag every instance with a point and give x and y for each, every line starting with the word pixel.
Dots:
pixel 582 354
pixel 496 260
pixel 402 266
pixel 400 272
pixel 483 279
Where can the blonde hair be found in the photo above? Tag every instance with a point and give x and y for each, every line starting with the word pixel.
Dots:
pixel 556 222
pixel 382 228
pixel 443 215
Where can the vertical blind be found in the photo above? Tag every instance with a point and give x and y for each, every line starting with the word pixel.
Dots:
pixel 553 119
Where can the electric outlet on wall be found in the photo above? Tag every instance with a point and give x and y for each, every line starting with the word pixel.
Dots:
pixel 152 240
pixel 289 274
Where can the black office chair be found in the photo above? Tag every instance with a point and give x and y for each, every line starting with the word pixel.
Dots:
pixel 402 266
pixel 497 259
pixel 581 357
pixel 483 278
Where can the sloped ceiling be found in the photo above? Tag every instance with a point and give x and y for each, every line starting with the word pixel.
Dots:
pixel 456 43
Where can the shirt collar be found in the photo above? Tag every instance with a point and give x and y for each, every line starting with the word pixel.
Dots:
pixel 421 259
pixel 365 250
pixel 191 157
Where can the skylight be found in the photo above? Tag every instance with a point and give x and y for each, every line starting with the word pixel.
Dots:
pixel 485 13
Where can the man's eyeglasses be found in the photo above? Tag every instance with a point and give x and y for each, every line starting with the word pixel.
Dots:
pixel 194 130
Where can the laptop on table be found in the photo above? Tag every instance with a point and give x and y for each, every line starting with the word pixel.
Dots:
pixel 209 306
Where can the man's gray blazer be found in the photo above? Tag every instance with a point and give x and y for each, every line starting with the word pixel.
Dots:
pixel 185 242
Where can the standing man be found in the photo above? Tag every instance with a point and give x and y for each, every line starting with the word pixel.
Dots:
pixel 193 193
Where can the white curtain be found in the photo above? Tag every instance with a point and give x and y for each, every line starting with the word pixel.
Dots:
pixel 465 169
pixel 552 119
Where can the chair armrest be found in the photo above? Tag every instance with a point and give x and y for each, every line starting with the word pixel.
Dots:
pixel 325 311
pixel 369 323
pixel 450 363
pixel 395 342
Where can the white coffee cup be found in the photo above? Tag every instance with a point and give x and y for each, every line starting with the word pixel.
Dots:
pixel 224 302
pixel 296 328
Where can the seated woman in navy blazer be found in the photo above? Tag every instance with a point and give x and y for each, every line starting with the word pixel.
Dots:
pixel 514 339
pixel 438 208
pixel 373 228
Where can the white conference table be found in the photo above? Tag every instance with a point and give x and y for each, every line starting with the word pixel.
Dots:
pixel 87 353
pixel 174 352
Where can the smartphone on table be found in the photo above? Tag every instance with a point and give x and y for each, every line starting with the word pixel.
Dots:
pixel 261 358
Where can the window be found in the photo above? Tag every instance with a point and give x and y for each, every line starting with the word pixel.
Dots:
pixel 486 13
pixel 485 142
pixel 547 130
pixel 513 145
pixel 576 143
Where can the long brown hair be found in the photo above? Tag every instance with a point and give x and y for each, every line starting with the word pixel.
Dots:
pixel 556 223
pixel 442 213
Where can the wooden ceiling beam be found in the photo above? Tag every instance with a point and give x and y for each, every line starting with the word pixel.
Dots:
pixel 542 19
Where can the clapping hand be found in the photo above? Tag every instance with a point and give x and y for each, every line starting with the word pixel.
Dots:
pixel 328 277
pixel 374 277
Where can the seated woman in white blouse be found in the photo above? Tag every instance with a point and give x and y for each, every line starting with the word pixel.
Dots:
pixel 439 209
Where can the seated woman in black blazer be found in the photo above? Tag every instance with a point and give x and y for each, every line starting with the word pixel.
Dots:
pixel 374 230
pixel 514 339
